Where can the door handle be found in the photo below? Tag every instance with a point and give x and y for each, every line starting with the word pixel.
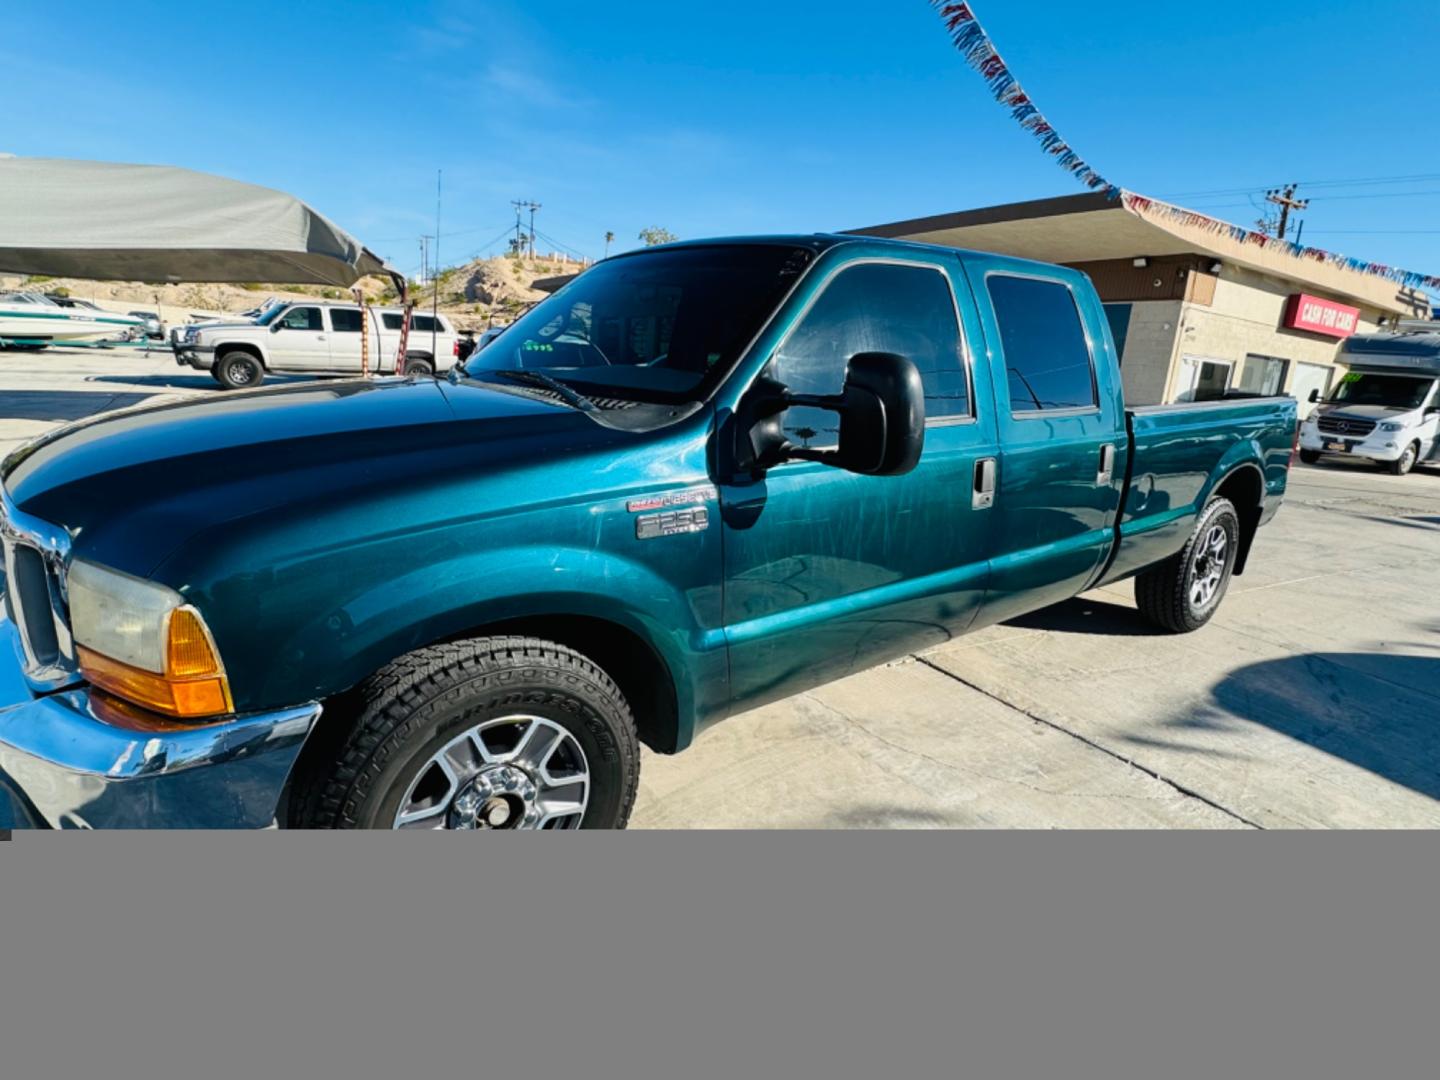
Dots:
pixel 319 337
pixel 984 494
pixel 1107 466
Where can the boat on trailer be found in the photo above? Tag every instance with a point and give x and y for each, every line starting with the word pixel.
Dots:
pixel 30 318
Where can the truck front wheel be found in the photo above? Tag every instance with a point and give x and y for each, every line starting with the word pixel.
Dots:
pixel 490 733
pixel 1402 465
pixel 238 371
pixel 1309 457
pixel 1184 592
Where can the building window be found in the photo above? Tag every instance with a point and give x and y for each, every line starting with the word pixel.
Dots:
pixel 1203 380
pixel 1047 358
pixel 1263 375
pixel 1119 318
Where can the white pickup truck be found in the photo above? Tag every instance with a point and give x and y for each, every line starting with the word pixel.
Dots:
pixel 314 338
pixel 1386 409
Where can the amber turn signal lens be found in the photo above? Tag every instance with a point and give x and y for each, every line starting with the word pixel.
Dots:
pixel 188 651
pixel 193 685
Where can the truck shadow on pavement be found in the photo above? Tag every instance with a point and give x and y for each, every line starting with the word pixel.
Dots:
pixel 58 406
pixel 1086 615
pixel 1379 711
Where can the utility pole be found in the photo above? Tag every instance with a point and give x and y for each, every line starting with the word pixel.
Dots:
pixel 519 244
pixel 1286 201
pixel 425 258
pixel 533 207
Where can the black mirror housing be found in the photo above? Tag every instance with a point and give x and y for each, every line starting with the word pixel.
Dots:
pixel 882 420
pixel 1314 397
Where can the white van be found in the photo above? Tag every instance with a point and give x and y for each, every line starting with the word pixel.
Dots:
pixel 314 338
pixel 1386 409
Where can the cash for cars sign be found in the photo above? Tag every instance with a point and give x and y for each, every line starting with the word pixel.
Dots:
pixel 1306 312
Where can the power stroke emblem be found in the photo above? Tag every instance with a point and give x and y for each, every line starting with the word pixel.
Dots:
pixel 679 512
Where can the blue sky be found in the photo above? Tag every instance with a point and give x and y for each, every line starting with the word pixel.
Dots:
pixel 714 119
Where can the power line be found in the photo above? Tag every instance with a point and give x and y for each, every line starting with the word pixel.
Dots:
pixel 1414 178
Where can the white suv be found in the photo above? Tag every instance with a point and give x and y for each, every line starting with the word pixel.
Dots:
pixel 305 338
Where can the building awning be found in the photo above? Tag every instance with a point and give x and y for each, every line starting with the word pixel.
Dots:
pixel 1096 227
pixel 98 220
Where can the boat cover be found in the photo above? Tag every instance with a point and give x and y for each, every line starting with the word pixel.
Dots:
pixel 92 219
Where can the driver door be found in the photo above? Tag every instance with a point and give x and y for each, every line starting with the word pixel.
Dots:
pixel 827 572
pixel 300 342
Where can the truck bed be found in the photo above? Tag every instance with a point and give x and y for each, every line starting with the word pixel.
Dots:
pixel 1180 454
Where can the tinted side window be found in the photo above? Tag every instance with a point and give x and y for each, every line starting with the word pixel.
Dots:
pixel 1047 360
pixel 874 307
pixel 391 320
pixel 424 324
pixel 345 320
pixel 302 318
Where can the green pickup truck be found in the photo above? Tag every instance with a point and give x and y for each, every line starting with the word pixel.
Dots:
pixel 700 478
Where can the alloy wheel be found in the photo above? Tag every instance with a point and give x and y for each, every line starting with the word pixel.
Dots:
pixel 1210 565
pixel 514 772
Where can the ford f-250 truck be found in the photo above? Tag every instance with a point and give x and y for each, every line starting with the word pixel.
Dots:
pixel 699 478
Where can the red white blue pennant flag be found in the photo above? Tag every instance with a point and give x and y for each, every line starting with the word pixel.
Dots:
pixel 980 53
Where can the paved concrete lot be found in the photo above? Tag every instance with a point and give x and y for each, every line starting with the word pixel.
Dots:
pixel 1313 699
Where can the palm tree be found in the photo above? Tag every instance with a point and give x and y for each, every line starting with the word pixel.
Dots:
pixel 609 239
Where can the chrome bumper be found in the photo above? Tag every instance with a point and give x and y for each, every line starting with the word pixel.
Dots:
pixel 64 766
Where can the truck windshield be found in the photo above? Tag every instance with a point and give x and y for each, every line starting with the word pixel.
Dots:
pixel 660 327
pixel 1389 391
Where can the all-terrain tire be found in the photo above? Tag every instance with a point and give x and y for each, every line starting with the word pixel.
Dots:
pixel 401 716
pixel 238 371
pixel 1166 594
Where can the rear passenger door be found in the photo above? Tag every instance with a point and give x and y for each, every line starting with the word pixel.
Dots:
pixel 1063 441
pixel 345 341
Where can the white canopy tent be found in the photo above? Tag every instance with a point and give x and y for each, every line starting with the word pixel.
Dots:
pixel 100 220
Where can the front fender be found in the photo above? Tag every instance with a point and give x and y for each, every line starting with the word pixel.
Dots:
pixel 335 649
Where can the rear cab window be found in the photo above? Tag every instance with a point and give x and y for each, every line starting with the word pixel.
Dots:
pixel 1048 363
pixel 345 320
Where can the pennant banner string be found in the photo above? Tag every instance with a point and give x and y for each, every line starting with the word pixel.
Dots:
pixel 980 53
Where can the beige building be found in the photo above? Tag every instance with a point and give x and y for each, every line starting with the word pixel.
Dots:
pixel 1196 312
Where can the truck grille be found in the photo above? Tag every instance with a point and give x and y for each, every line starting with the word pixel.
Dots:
pixel 1338 425
pixel 35 556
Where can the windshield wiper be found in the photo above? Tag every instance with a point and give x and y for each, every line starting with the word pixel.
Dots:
pixel 539 378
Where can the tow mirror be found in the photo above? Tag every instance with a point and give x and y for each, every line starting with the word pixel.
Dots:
pixel 882 419
pixel 1314 398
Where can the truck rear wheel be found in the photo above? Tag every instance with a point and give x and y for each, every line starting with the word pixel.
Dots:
pixel 490 733
pixel 238 371
pixel 1184 592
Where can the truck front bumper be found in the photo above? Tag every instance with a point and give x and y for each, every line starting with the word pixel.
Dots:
pixel 1377 446
pixel 200 357
pixel 66 763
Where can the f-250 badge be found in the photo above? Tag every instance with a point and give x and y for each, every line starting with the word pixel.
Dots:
pixel 681 512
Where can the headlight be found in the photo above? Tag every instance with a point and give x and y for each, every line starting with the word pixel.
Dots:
pixel 140 641
pixel 1391 426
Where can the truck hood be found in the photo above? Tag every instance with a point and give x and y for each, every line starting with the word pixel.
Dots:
pixel 132 486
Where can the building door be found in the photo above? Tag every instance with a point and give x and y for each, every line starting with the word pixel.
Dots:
pixel 826 571
pixel 1263 375
pixel 1203 379
pixel 1310 377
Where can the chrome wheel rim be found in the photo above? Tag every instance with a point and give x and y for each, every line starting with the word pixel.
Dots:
pixel 514 772
pixel 1210 565
pixel 240 374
